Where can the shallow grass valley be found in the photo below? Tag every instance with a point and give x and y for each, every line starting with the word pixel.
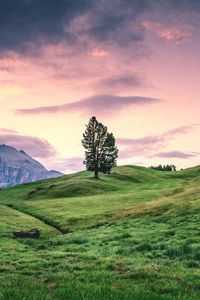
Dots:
pixel 134 234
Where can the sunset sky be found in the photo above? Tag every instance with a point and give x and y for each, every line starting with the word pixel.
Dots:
pixel 134 64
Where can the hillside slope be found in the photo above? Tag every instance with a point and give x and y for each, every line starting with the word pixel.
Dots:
pixel 131 235
pixel 128 190
pixel 83 183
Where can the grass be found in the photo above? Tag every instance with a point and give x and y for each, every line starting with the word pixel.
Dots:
pixel 131 235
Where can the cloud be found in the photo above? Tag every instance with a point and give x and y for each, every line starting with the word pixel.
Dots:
pixel 171 34
pixel 99 53
pixel 42 21
pixel 50 21
pixel 122 82
pixel 12 62
pixel 106 20
pixel 183 129
pixel 98 104
pixel 84 44
pixel 34 146
pixel 150 145
pixel 67 165
pixel 177 154
pixel 185 5
pixel 144 146
pixel 5 130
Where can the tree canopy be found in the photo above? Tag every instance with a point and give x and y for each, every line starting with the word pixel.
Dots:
pixel 100 150
pixel 164 168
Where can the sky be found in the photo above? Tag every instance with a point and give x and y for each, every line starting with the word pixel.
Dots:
pixel 134 64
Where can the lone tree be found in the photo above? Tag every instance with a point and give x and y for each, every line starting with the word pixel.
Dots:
pixel 100 150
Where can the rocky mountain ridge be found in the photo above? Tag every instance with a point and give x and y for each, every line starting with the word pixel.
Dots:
pixel 18 167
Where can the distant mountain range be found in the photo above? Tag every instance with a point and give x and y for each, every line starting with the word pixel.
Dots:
pixel 18 167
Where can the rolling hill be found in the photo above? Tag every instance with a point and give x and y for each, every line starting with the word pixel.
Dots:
pixel 133 234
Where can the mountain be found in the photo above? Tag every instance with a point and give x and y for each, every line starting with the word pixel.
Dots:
pixel 18 167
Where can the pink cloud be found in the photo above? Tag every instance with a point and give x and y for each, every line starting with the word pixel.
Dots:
pixel 34 146
pixel 177 154
pixel 12 62
pixel 126 81
pixel 150 145
pixel 105 105
pixel 67 165
pixel 7 131
pixel 172 34
pixel 99 53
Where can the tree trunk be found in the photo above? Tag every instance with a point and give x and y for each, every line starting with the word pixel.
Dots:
pixel 96 174
pixel 96 169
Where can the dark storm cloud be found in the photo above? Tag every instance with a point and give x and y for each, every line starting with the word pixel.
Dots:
pixel 99 104
pixel 190 5
pixel 110 16
pixel 27 24
pixel 34 146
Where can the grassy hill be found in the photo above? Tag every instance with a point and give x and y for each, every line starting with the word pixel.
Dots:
pixel 133 234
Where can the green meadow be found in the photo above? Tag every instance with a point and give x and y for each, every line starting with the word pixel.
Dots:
pixel 134 234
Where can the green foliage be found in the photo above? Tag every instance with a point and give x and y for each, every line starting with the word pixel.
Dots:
pixel 100 150
pixel 136 237
pixel 164 168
